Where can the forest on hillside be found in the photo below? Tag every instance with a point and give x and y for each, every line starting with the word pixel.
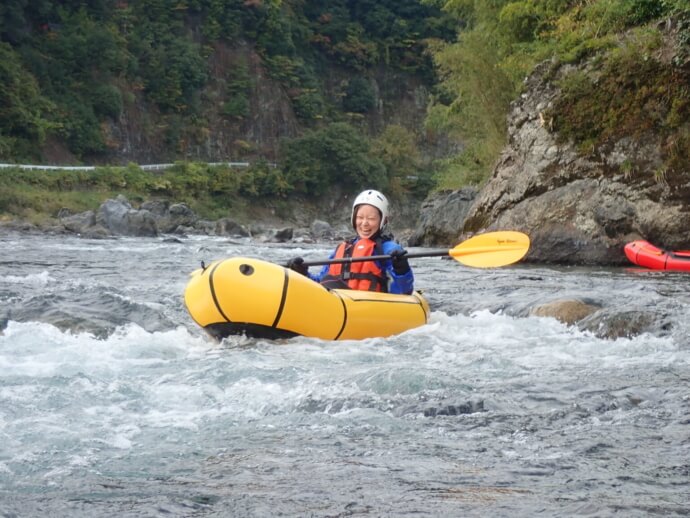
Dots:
pixel 70 70
pixel 70 66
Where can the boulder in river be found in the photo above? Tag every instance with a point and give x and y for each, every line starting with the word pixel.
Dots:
pixel 119 217
pixel 568 311
pixel 231 228
pixel 78 223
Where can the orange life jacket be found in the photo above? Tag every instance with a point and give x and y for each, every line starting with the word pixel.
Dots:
pixel 364 275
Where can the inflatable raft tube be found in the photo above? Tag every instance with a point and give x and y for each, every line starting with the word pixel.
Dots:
pixel 264 300
pixel 643 253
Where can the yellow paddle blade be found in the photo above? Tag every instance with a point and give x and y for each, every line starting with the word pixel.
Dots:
pixel 491 249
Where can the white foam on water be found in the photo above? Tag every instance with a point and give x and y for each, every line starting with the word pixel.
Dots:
pixel 73 396
pixel 536 342
pixel 70 401
pixel 34 280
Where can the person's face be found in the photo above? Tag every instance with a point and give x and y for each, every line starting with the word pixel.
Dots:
pixel 367 221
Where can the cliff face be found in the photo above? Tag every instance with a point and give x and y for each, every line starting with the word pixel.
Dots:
pixel 581 204
pixel 142 134
pixel 577 209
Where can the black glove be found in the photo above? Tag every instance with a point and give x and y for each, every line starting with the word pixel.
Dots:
pixel 400 264
pixel 297 264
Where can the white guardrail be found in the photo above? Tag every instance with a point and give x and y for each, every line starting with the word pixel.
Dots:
pixel 149 167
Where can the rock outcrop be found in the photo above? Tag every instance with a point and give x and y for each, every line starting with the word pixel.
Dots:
pixel 120 218
pixel 116 217
pixel 578 207
pixel 441 217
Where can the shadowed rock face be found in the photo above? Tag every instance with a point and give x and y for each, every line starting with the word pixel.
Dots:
pixel 441 217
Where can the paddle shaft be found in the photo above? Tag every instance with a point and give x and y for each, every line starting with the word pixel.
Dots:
pixel 488 250
pixel 384 257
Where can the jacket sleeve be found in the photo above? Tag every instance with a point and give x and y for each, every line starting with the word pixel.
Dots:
pixel 400 284
pixel 324 270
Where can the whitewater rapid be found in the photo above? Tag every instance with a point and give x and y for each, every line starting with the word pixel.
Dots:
pixel 112 401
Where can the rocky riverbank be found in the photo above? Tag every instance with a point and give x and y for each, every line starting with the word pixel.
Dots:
pixel 119 217
pixel 437 223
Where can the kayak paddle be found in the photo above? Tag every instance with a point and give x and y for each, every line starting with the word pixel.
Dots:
pixel 482 251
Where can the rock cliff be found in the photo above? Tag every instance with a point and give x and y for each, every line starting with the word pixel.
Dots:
pixel 578 206
pixel 144 135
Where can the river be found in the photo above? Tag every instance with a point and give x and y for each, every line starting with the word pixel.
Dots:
pixel 114 403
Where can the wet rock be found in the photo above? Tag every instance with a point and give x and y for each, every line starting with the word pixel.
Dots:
pixel 342 232
pixel 284 235
pixel 303 235
pixel 184 231
pixel 179 215
pixel 205 226
pixel 78 223
pixel 169 217
pixel 566 311
pixel 626 324
pixel 258 229
pixel 140 223
pixel 118 217
pixel 466 407
pixel 231 228
pixel 18 226
pixel 95 232
pixel 112 213
pixel 156 207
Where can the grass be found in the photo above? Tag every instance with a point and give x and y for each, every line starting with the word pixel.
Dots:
pixel 39 195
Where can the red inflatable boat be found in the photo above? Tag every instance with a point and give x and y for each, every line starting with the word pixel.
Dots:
pixel 643 253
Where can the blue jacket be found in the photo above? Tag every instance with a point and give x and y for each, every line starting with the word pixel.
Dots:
pixel 400 284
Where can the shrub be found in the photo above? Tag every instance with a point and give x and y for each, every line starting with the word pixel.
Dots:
pixel 309 104
pixel 359 95
pixel 336 154
pixel 634 94
pixel 107 101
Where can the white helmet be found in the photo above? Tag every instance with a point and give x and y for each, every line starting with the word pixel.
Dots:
pixel 374 198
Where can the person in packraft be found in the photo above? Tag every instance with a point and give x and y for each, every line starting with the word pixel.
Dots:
pixel 369 220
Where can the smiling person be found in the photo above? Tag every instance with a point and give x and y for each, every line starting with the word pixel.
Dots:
pixel 369 220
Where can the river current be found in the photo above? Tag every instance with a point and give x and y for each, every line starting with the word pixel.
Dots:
pixel 114 403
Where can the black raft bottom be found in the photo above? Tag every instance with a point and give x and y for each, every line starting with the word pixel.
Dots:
pixel 225 329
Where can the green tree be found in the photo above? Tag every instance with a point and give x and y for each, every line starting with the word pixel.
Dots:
pixel 336 154
pixel 472 98
pixel 25 115
pixel 238 90
pixel 359 95
pixel 481 73
pixel 397 149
